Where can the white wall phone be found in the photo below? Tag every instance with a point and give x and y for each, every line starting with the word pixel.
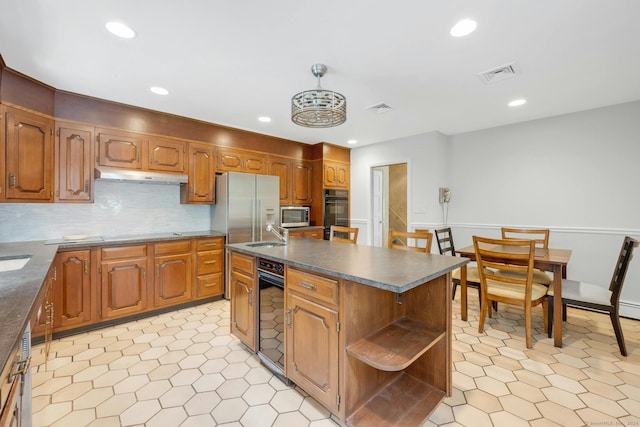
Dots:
pixel 445 195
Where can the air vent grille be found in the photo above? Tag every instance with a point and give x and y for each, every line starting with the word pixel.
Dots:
pixel 497 74
pixel 379 108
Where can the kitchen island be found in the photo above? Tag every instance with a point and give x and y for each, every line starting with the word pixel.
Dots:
pixel 368 330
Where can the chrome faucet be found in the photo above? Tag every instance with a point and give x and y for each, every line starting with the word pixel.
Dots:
pixel 284 237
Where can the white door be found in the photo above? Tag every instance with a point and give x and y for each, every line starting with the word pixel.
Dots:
pixel 378 207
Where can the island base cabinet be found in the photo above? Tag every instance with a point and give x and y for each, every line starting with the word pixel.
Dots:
pixel 72 293
pixel 312 349
pixel 243 299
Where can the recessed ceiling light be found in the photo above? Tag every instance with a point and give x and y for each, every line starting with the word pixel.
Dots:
pixel 264 119
pixel 352 141
pixel 463 28
pixel 120 30
pixel 159 90
pixel 517 102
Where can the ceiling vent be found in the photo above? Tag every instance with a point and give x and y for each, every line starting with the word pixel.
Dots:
pixel 497 74
pixel 379 108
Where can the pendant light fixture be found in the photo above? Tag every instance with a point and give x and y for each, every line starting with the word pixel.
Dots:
pixel 318 108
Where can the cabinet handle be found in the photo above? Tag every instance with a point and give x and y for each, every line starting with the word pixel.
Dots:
pixel 210 262
pixel 86 265
pixel 12 181
pixel 25 367
pixel 288 318
pixel 308 286
pixel 250 297
pixel 211 244
pixel 144 273
pixel 86 185
pixel 137 155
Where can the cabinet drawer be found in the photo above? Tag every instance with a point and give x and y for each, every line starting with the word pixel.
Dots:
pixel 116 252
pixel 314 286
pixel 209 262
pixel 314 234
pixel 179 247
pixel 210 285
pixel 209 244
pixel 242 263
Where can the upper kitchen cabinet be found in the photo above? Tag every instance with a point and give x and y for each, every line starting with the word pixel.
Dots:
pixel 73 163
pixel 233 160
pixel 295 179
pixel 336 174
pixel 119 149
pixel 28 162
pixel 165 154
pixel 201 167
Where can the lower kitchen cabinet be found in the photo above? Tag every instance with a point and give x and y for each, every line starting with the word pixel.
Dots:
pixel 311 334
pixel 172 282
pixel 309 233
pixel 124 282
pixel 42 320
pixel 243 298
pixel 72 290
pixel 209 267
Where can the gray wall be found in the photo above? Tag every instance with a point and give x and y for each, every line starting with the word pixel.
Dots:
pixel 577 174
pixel 119 208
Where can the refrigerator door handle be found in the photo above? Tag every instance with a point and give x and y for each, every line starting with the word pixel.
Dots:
pixel 253 222
pixel 259 215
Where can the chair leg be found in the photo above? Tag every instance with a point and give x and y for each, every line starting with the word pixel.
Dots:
pixel 615 321
pixel 483 313
pixel 527 324
pixel 545 314
pixel 564 312
pixel 549 316
pixel 453 294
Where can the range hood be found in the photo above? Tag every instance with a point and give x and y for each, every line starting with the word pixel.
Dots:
pixel 126 175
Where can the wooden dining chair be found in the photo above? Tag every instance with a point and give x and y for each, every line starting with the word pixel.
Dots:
pixel 400 240
pixel 517 289
pixel 343 234
pixel 541 238
pixel 444 239
pixel 597 298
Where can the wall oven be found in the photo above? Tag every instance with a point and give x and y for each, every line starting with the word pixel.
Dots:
pixel 294 216
pixel 336 210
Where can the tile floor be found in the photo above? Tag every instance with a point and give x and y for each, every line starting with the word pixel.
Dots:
pixel 185 369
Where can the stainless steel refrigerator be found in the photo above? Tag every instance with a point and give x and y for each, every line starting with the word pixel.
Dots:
pixel 245 204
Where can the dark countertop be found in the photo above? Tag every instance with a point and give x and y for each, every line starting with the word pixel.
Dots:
pixel 390 269
pixel 19 288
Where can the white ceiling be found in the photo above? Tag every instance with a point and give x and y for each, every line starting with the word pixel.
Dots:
pixel 230 61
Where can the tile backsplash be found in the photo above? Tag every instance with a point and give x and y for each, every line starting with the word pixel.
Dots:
pixel 119 208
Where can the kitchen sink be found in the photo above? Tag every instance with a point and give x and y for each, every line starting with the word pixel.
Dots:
pixel 266 244
pixel 13 263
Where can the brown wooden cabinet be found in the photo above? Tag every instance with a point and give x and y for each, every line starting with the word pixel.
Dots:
pixel 295 179
pixel 28 156
pixel 243 298
pixel 73 163
pixel 209 267
pixel 165 154
pixel 301 179
pixel 234 160
pixel 42 320
pixel 72 290
pixel 281 167
pixel 119 149
pixel 172 282
pixel 201 167
pixel 309 233
pixel 312 332
pixel 336 174
pixel 124 282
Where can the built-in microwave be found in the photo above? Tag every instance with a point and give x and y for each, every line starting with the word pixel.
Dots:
pixel 294 216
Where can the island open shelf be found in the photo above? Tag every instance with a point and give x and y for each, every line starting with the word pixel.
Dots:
pixel 397 345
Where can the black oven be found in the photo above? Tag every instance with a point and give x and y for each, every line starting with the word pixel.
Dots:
pixel 336 209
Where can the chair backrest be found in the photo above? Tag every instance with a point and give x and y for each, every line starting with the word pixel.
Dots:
pixel 396 240
pixel 337 234
pixel 620 272
pixel 444 238
pixel 513 255
pixel 538 235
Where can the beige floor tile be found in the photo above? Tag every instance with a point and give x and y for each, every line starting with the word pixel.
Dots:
pixel 177 396
pixel 463 382
pixel 110 378
pixel 167 417
pixel 507 419
pixel 105 422
pixel 482 400
pixel 559 414
pixel 290 419
pixel 604 390
pixel 124 362
pixel 258 394
pixel 153 390
pixel 259 416
pixel 140 412
pixel 185 377
pixel 470 369
pixel 51 413
pixel 229 410
pixel 591 417
pixel 193 361
pixel 235 370
pixel 492 386
pixel 563 397
pixel 519 407
pixel 208 382
pixel 81 417
pixel 71 392
pixel 603 405
pixel 202 403
pixel 115 405
pixel 286 400
pixel 93 398
pixel 526 391
pixel 499 373
pixel 51 386
pixel 468 415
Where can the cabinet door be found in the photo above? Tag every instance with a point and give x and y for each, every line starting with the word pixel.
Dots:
pixel 201 185
pixel 336 175
pixel 10 409
pixel 254 163
pixel 312 349
pixel 243 309
pixel 232 160
pixel 281 168
pixel 74 163
pixel 29 156
pixel 121 150
pixel 301 183
pixel 173 279
pixel 72 291
pixel 166 155
pixel 123 287
pixel 210 285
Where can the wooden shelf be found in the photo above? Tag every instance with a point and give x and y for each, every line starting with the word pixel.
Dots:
pixel 396 346
pixel 406 401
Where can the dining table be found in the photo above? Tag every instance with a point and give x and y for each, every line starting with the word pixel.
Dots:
pixel 547 259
